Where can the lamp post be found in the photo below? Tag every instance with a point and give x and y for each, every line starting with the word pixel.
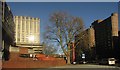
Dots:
pixel 31 39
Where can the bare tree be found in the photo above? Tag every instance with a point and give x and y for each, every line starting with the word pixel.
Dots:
pixel 49 48
pixel 62 30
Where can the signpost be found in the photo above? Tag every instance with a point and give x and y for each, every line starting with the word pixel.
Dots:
pixel 83 57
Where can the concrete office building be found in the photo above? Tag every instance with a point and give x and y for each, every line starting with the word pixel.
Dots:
pixel 106 33
pixel 83 42
pixel 91 37
pixel 7 29
pixel 27 34
pixel 118 48
pixel 102 37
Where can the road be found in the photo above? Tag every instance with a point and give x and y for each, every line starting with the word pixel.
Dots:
pixel 87 67
pixel 77 67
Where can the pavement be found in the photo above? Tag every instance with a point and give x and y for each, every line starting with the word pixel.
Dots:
pixel 74 67
pixel 86 66
pixel 78 67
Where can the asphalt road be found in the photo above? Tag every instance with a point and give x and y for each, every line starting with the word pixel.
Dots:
pixel 87 67
pixel 77 67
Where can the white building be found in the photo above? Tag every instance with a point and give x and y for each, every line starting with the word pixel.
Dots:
pixel 27 32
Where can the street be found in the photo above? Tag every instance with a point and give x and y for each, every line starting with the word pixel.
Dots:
pixel 86 67
pixel 73 67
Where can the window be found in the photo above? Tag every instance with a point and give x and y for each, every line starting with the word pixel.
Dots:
pixel 18 39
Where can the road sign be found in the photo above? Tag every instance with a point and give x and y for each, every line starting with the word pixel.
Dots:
pixel 83 56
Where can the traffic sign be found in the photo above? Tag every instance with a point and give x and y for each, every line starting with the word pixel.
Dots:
pixel 83 56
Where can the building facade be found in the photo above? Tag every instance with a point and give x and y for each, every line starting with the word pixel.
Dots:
pixel 27 33
pixel 85 43
pixel 7 27
pixel 103 38
pixel 1 26
pixel 106 33
pixel 119 14
pixel 27 27
pixel 117 46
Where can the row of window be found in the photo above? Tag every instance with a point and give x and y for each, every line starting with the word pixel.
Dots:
pixel 35 28
pixel 27 18
pixel 27 40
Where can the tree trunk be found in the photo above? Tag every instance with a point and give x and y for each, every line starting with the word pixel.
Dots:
pixel 68 59
pixel 68 55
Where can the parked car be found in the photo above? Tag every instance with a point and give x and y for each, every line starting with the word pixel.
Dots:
pixel 24 55
pixel 83 62
pixel 111 61
pixel 44 57
pixel 108 61
pixel 103 61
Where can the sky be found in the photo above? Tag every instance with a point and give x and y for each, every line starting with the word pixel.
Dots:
pixel 62 0
pixel 88 11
